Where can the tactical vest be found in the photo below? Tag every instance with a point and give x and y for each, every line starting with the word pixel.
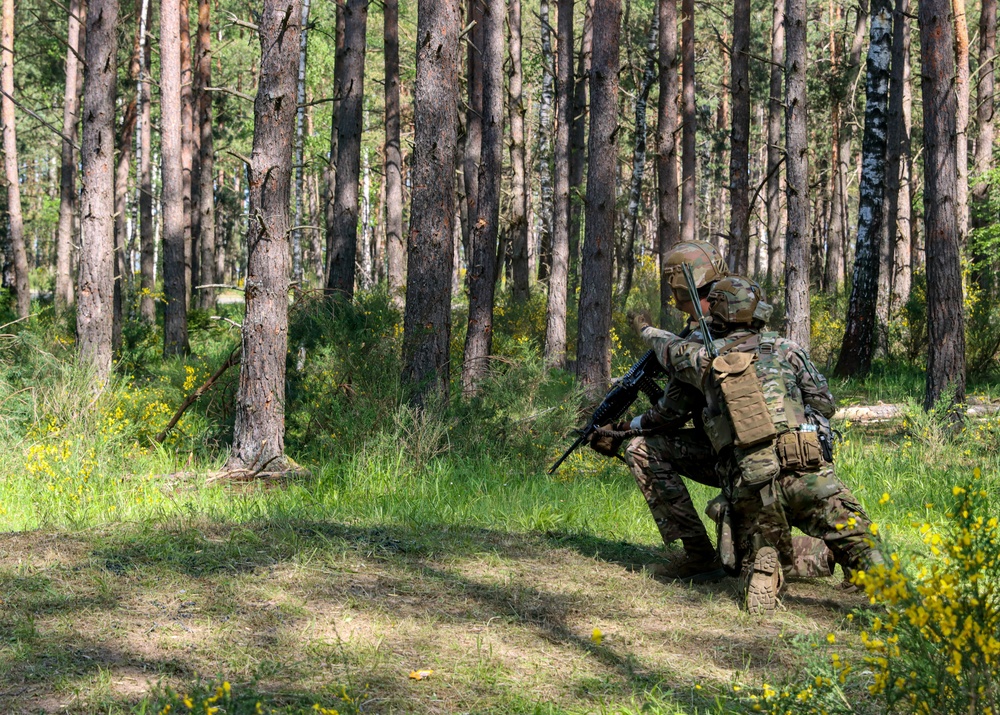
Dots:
pixel 752 408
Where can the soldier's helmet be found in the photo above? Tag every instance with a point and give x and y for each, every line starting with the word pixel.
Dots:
pixel 733 300
pixel 706 264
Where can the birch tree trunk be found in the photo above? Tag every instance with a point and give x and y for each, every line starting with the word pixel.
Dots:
pixel 594 343
pixel 259 430
pixel 962 92
pixel 67 174
pixel 429 258
pixel 485 228
pixel 739 152
pixel 945 321
pixel 775 155
pixel 689 195
pixel 175 337
pixel 797 326
pixel 555 326
pixel 668 226
pixel 859 339
pixel 341 274
pixel 206 159
pixel 16 225
pixel 147 243
pixel 520 270
pixel 94 315
pixel 396 254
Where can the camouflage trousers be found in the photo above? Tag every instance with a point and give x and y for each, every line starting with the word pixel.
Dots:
pixel 816 502
pixel 658 464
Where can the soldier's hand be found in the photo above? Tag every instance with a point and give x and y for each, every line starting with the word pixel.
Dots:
pixel 606 444
pixel 639 320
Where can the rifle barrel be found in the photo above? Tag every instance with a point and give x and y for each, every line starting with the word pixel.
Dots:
pixel 569 451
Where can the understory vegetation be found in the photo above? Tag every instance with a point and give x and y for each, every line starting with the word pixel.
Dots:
pixel 134 578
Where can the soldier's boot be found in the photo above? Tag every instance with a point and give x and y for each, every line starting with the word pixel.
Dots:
pixel 763 582
pixel 701 563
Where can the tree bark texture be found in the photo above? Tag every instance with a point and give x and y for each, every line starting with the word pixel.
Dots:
pixel 485 227
pixel 689 195
pixel 775 155
pixel 95 308
pixel 300 169
pixel 520 269
pixel 739 147
pixel 473 119
pixel 985 86
pixel 121 193
pixel 67 173
pixel 206 159
pixel 555 325
pixel 175 334
pixel 187 146
pixel 259 430
pixel 395 251
pixel 945 321
pixel 147 248
pixel 962 94
pixel 544 154
pixel 340 277
pixel 668 225
pixel 594 343
pixel 578 143
pixel 797 325
pixel 427 321
pixel 16 221
pixel 627 270
pixel 330 172
pixel 859 339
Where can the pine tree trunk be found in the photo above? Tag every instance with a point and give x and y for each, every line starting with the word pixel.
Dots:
pixel 94 315
pixel 859 339
pixel 147 243
pixel 341 275
pixel 668 226
pixel 485 227
pixel 578 144
pixel 188 149
pixel 175 337
pixel 544 153
pixel 330 171
pixel 67 174
pixel 206 159
pixel 395 251
pixel 638 161
pixel 797 325
pixel 775 155
pixel 119 262
pixel 594 342
pixel 259 430
pixel 689 194
pixel 984 111
pixel 16 225
pixel 906 233
pixel 472 145
pixel 555 326
pixel 962 92
pixel 945 321
pixel 520 270
pixel 300 169
pixel 739 153
pixel 427 322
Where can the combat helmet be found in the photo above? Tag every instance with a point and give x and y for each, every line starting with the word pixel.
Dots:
pixel 706 264
pixel 733 300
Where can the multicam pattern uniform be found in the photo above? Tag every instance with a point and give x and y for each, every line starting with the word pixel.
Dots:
pixel 813 500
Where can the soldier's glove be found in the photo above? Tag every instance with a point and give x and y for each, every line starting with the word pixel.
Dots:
pixel 606 444
pixel 639 320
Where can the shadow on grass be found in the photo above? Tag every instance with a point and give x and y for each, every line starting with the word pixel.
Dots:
pixel 391 571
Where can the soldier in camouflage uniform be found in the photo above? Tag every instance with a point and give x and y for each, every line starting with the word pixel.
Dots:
pixel 771 461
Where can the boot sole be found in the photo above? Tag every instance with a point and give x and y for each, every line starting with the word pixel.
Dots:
pixel 762 591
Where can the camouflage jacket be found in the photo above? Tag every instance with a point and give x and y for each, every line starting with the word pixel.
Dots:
pixel 687 362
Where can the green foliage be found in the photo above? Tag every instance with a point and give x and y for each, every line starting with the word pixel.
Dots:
pixel 222 698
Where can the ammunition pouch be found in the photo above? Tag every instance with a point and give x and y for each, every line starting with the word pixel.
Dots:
pixel 800 451
pixel 758 465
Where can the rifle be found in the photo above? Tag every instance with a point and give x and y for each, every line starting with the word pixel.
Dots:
pixel 638 379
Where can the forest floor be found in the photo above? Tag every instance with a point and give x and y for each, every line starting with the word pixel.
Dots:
pixel 505 621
